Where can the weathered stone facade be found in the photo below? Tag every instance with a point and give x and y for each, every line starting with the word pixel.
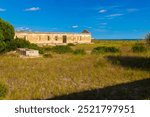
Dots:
pixel 55 38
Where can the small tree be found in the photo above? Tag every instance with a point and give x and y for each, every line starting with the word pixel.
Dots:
pixel 148 39
pixel 6 31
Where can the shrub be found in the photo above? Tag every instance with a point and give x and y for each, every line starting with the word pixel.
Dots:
pixel 17 43
pixel 71 44
pixel 148 39
pixel 1 35
pixel 62 49
pixel 6 31
pixel 79 52
pixel 22 43
pixel 104 49
pixel 2 46
pixel 138 47
pixel 3 91
pixel 48 48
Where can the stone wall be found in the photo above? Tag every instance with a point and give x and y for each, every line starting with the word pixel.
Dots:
pixel 28 52
pixel 54 38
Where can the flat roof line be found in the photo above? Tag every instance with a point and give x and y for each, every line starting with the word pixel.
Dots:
pixel 50 32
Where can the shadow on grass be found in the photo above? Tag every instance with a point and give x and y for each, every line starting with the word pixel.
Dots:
pixel 142 63
pixel 137 90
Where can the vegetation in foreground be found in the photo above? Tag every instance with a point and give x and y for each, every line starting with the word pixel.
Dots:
pixel 121 75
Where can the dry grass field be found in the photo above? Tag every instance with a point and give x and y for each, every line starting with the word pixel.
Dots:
pixel 122 75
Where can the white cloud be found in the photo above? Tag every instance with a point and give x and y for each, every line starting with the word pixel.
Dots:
pixel 23 29
pixel 33 9
pixel 2 10
pixel 75 26
pixel 115 15
pixel 102 11
pixel 132 10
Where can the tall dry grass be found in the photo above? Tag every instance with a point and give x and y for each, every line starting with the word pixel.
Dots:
pixel 62 74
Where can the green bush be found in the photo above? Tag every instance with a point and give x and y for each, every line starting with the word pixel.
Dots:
pixel 22 43
pixel 62 49
pixel 1 35
pixel 79 52
pixel 138 47
pixel 7 41
pixel 17 43
pixel 71 44
pixel 48 48
pixel 6 31
pixel 2 46
pixel 104 49
pixel 3 91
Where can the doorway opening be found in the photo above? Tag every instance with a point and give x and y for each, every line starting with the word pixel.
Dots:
pixel 64 39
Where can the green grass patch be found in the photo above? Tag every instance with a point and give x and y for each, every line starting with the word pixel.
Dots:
pixel 79 52
pixel 104 49
pixel 61 49
pixel 47 48
pixel 139 47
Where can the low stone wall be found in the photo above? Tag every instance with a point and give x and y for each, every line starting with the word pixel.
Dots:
pixel 28 52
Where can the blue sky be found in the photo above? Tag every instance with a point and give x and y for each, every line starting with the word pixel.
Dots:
pixel 105 19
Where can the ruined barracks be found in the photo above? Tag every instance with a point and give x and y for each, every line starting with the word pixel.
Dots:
pixel 52 38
